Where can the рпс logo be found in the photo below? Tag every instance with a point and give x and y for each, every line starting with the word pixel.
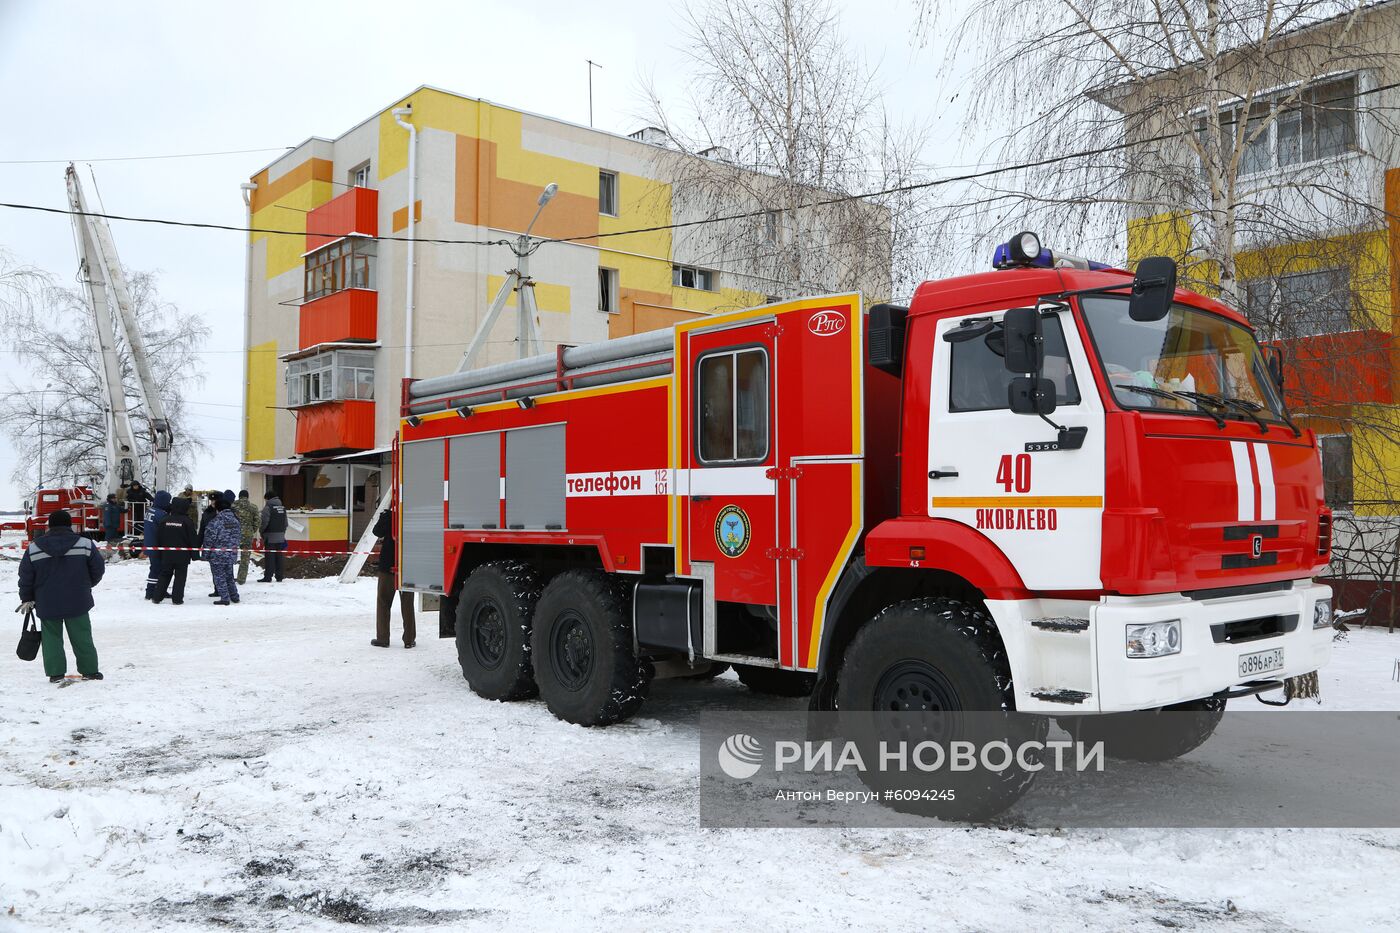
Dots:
pixel 826 323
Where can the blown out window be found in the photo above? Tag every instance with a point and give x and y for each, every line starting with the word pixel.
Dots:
pixel 733 403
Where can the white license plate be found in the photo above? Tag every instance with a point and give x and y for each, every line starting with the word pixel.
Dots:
pixel 1261 662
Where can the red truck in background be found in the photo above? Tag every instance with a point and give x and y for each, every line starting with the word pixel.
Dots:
pixel 80 502
pixel 1054 487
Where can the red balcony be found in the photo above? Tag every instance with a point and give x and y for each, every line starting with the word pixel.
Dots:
pixel 355 211
pixel 1339 369
pixel 327 427
pixel 340 317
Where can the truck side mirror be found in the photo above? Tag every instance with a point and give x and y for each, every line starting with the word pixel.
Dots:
pixel 1025 341
pixel 1154 287
pixel 1031 395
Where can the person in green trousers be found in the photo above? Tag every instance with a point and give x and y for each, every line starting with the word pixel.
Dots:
pixel 56 577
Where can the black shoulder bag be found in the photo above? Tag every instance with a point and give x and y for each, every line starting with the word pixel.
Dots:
pixel 29 638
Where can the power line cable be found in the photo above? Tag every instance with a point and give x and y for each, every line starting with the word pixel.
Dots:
pixel 162 221
pixel 146 158
pixel 658 228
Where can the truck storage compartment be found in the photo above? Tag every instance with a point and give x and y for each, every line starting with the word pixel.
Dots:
pixel 420 530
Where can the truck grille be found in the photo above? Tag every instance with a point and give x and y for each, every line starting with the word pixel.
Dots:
pixel 1244 630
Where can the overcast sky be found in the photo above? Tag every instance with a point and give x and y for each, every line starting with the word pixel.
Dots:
pixel 89 81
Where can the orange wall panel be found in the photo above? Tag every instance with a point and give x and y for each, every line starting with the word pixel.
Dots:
pixel 347 315
pixel 327 426
pixel 355 211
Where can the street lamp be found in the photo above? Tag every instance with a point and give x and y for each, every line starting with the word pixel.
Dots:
pixel 517 280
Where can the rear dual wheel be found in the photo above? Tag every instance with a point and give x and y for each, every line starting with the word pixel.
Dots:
pixel 585 666
pixel 494 612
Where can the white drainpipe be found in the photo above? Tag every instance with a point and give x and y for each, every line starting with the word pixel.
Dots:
pixel 248 187
pixel 399 113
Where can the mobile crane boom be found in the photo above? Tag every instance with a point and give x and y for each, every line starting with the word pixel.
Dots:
pixel 106 286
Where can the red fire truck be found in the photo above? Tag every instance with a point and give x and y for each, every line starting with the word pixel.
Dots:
pixel 79 501
pixel 1053 487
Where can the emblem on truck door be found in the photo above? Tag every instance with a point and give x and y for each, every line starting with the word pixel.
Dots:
pixel 826 323
pixel 732 531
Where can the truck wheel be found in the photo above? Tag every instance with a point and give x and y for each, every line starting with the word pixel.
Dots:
pixel 586 669
pixel 776 682
pixel 1153 734
pixel 494 612
pixel 939 656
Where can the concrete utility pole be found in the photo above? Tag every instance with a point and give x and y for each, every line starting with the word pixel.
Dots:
pixel 517 280
pixel 591 65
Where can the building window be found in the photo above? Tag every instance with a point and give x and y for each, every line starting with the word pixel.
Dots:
pixel 359 175
pixel 692 277
pixel 1300 304
pixel 1319 123
pixel 607 291
pixel 332 376
pixel 1336 470
pixel 979 380
pixel 770 227
pixel 733 402
pixel 346 263
pixel 607 193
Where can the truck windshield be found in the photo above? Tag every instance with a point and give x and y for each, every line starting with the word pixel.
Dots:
pixel 1190 361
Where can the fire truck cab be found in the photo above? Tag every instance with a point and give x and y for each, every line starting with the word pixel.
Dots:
pixel 1053 487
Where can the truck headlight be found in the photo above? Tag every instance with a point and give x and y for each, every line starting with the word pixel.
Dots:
pixel 1154 639
pixel 1322 613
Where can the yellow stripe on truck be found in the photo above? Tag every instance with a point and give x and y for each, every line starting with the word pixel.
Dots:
pixel 1017 502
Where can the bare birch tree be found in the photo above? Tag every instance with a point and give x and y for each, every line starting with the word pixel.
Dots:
pixel 51 333
pixel 785 114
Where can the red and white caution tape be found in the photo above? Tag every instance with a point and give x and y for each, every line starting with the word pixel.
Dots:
pixel 297 552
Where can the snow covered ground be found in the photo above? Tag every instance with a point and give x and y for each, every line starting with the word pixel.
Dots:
pixel 261 766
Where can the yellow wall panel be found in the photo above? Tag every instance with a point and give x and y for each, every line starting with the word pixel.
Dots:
pixel 547 297
pixel 260 395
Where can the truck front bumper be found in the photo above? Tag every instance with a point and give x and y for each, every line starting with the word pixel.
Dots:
pixel 1070 657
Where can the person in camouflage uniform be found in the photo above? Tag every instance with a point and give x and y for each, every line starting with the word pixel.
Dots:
pixel 249 519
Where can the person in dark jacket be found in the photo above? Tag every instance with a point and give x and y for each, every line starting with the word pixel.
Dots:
pixel 175 531
pixel 138 501
pixel 221 550
pixel 273 528
pixel 388 561
pixel 112 514
pixel 148 538
pixel 56 577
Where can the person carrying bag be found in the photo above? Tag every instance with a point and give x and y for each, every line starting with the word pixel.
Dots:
pixel 56 577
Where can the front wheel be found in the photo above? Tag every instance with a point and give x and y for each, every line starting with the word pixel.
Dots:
pixel 914 667
pixel 1152 734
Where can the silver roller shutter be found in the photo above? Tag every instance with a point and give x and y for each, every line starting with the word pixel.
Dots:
pixel 474 481
pixel 535 477
pixel 420 551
